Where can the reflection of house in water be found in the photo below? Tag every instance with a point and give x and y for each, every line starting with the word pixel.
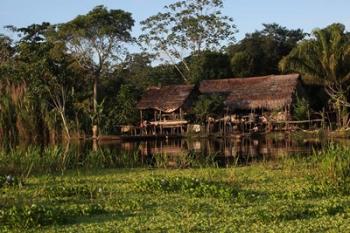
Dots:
pixel 162 109
pixel 226 151
pixel 169 147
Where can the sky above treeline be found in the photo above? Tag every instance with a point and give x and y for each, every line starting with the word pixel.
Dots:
pixel 248 14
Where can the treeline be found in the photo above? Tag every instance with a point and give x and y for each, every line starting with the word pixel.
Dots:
pixel 78 78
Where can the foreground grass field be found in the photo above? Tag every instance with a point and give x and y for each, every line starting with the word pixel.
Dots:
pixel 270 197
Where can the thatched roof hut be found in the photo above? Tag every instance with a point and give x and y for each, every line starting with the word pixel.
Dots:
pixel 167 99
pixel 267 92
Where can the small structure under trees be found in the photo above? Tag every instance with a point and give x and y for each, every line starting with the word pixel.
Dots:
pixel 256 99
pixel 162 109
pixel 275 92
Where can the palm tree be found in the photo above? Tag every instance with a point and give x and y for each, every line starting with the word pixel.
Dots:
pixel 325 57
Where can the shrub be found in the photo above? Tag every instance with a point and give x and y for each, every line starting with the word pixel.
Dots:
pixel 301 109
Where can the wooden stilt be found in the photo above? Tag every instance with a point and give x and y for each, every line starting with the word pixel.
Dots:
pixel 141 124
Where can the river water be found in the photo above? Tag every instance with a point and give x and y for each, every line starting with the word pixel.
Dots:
pixel 183 152
pixel 224 151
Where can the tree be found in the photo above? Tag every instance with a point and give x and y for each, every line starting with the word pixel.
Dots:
pixel 325 57
pixel 208 106
pixel 41 80
pixel 187 28
pixel 208 65
pixel 41 55
pixel 136 70
pixel 259 52
pixel 98 40
pixel 6 49
pixel 125 104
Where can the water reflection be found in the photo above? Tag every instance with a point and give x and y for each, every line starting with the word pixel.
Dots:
pixel 226 151
pixel 179 153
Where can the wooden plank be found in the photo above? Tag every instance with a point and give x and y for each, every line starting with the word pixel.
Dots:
pixel 296 122
pixel 168 123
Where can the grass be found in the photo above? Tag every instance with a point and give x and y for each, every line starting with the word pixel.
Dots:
pixel 293 194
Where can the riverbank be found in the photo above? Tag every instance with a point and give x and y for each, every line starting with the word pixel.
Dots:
pixel 280 196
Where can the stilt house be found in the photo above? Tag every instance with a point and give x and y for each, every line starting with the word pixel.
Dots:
pixel 274 93
pixel 167 106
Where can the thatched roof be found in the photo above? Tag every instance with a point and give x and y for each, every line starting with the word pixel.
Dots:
pixel 166 99
pixel 267 92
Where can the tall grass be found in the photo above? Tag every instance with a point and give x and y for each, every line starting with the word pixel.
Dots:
pixel 25 116
pixel 57 159
pixel 8 116
pixel 25 161
pixel 332 166
pixel 328 168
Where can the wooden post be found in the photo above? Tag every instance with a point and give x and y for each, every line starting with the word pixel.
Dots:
pixel 323 119
pixel 225 126
pixel 208 126
pixel 287 118
pixel 141 124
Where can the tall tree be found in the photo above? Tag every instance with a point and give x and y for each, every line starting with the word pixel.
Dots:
pixel 98 41
pixel 186 28
pixel 325 57
pixel 259 52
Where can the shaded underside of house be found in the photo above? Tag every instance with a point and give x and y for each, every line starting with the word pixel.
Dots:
pixel 268 92
pixel 166 99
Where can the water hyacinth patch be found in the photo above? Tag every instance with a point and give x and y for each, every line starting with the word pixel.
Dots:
pixel 37 215
pixel 191 186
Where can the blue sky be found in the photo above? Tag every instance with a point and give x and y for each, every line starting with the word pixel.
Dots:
pixel 248 14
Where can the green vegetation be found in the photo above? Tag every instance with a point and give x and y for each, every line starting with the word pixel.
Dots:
pixel 23 162
pixel 301 109
pixel 97 41
pixel 189 28
pixel 333 167
pixel 326 59
pixel 259 52
pixel 208 106
pixel 295 194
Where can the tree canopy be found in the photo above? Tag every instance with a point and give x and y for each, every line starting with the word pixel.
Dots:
pixel 187 28
pixel 260 52
pixel 325 57
pixel 97 41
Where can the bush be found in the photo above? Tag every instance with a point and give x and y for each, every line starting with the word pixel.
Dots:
pixel 301 109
